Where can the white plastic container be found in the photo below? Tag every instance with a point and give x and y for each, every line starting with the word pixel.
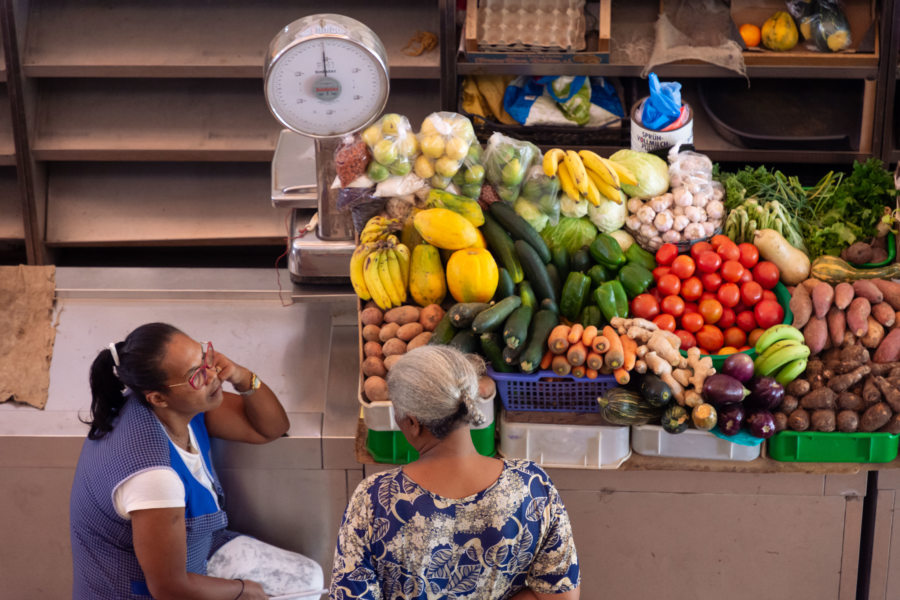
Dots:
pixel 379 416
pixel 648 140
pixel 565 446
pixel 653 440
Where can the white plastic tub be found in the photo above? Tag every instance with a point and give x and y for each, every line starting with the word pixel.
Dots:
pixel 379 416
pixel 653 440
pixel 565 446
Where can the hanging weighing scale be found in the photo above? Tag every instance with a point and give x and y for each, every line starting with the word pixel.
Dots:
pixel 326 75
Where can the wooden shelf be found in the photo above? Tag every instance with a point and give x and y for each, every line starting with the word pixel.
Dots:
pixel 161 204
pixel 197 38
pixel 12 225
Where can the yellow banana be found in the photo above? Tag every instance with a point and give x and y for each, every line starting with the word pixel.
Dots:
pixel 357 279
pixel 612 170
pixel 551 161
pixel 594 162
pixel 605 189
pixel 566 182
pixel 576 168
pixel 624 173
pixel 384 273
pixel 396 274
pixel 378 228
pixel 593 194
pixel 373 281
pixel 403 255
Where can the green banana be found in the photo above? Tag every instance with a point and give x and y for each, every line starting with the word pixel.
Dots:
pixel 772 362
pixel 776 333
pixel 791 371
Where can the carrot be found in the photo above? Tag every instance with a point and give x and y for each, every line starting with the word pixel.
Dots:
pixel 590 332
pixel 594 361
pixel 622 376
pixel 591 373
pixel 545 361
pixel 558 341
pixel 577 354
pixel 575 332
pixel 579 371
pixel 615 356
pixel 560 365
pixel 600 344
pixel 629 348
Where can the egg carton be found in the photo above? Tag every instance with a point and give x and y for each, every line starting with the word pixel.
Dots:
pixel 531 25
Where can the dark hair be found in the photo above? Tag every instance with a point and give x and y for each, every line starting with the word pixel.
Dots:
pixel 442 428
pixel 140 359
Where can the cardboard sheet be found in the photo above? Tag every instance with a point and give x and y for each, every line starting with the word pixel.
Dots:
pixel 26 333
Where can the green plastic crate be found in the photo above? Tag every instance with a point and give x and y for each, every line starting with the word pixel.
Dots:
pixel 391 447
pixel 815 446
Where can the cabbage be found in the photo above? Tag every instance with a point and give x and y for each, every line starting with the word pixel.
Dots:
pixel 623 237
pixel 572 208
pixel 569 233
pixel 531 212
pixel 651 172
pixel 609 216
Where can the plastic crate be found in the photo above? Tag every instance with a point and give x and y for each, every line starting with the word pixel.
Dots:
pixel 379 416
pixel 391 446
pixel 816 446
pixel 653 440
pixel 547 391
pixel 565 446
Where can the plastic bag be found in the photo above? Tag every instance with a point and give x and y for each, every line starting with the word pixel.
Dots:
pixel 542 192
pixel 393 146
pixel 444 140
pixel 563 100
pixel 822 23
pixel 361 204
pixel 351 159
pixel 470 176
pixel 663 107
pixel 506 160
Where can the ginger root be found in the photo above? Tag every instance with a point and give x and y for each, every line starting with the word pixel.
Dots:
pixel 661 367
pixel 621 324
pixel 660 344
pixel 701 367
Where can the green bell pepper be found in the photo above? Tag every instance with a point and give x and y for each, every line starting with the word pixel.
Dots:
pixel 611 299
pixel 635 279
pixel 574 294
pixel 598 274
pixel 638 255
pixel 606 251
pixel 591 315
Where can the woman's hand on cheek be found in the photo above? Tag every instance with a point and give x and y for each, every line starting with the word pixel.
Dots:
pixel 231 372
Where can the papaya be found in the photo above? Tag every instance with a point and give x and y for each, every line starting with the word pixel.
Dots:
pixel 472 275
pixel 779 32
pixel 427 284
pixel 445 229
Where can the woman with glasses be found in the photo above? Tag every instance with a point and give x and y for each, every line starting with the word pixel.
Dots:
pixel 147 509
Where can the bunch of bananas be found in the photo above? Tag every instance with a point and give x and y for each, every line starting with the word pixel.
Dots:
pixel 379 270
pixel 781 354
pixel 586 174
pixel 378 228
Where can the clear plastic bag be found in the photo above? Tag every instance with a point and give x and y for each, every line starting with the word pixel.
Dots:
pixel 542 192
pixel 506 160
pixel 444 141
pixel 351 159
pixel 470 176
pixel 361 204
pixel 393 145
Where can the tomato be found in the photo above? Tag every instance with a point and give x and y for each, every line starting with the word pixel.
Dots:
pixel 644 306
pixel 735 337
pixel 727 319
pixel 743 348
pixel 683 266
pixel 719 239
pixel 751 293
pixel 660 271
pixel 709 262
pixel 666 322
pixel 666 254
pixel 768 313
pixel 749 255
pixel 766 274
pixel 669 285
pixel 707 296
pixel 672 305
pixel 710 338
pixel 746 276
pixel 732 271
pixel 711 281
pixel 729 251
pixel 746 321
pixel 754 335
pixel 654 291
pixel 691 289
pixel 729 294
pixel 710 310
pixel 687 339
pixel 699 248
pixel 692 321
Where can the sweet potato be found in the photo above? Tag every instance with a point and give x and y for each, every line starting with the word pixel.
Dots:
pixel 801 306
pixel 798 387
pixel 891 393
pixel 373 365
pixel 857 315
pixel 811 283
pixel 889 348
pixel 375 388
pixel 843 295
pixel 402 315
pixel 822 420
pixel 430 316
pixel 799 420
pixel 837 325
pixel 781 421
pixel 868 290
pixel 388 331
pixel 884 314
pixel 874 333
pixel 841 383
pixel 371 316
pixel 847 421
pixel 823 397
pixel 815 334
pixel 420 340
pixel 788 404
pixel 394 346
pixel 875 417
pixel 370 333
pixel 822 297
pixel 890 290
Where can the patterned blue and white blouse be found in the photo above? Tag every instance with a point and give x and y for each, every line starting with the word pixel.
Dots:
pixel 398 540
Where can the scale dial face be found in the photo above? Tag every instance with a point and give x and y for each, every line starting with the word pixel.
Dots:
pixel 324 83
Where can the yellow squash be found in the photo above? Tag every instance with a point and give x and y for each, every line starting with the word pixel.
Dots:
pixel 779 32
pixel 426 276
pixel 445 229
pixel 472 275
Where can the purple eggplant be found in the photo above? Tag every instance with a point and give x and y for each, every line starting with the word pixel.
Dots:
pixel 765 394
pixel 761 424
pixel 721 390
pixel 739 365
pixel 731 417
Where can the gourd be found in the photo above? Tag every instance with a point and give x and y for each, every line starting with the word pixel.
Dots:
pixel 791 262
pixel 834 270
pixel 779 32
pixel 426 276
pixel 472 275
pixel 445 229
pixel 676 419
pixel 620 406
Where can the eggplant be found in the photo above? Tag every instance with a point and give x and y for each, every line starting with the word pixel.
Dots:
pixel 721 390
pixel 731 417
pixel 766 394
pixel 761 424
pixel 740 366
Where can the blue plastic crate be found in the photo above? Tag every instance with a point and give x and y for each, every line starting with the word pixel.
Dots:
pixel 546 391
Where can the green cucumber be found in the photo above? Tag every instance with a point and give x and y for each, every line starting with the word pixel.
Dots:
pixel 520 229
pixel 541 326
pixel 591 315
pixel 491 318
pixel 526 293
pixel 515 330
pixel 463 313
pixel 535 270
pixel 505 285
pixel 559 258
pixel 501 246
pixel 443 332
pixel 465 340
pixel 574 294
pixel 490 347
pixel 581 260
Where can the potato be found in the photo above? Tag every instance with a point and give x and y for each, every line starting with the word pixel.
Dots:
pixel 866 289
pixel 875 417
pixel 394 346
pixel 837 325
pixel 847 421
pixel 801 306
pixel 890 290
pixel 430 316
pixel 799 420
pixel 402 315
pixel 370 333
pixel 879 255
pixel 420 340
pixel 371 316
pixel 372 349
pixel 884 314
pixel 822 297
pixel 373 366
pixel 375 388
pixel 486 387
pixel 857 315
pixel 788 404
pixel 409 331
pixel 889 348
pixel 858 253
pixel 874 333
pixel 816 334
pixel 843 295
pixel 388 332
pixel 390 360
pixel 822 420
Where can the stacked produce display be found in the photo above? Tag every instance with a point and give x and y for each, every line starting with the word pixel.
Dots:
pixel 690 297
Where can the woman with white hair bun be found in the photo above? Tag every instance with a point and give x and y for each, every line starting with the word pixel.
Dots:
pixel 454 522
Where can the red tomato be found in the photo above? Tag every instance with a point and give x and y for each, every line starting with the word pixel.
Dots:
pixel 754 335
pixel 699 248
pixel 719 239
pixel 660 271
pixel 729 294
pixel 666 254
pixel 729 251
pixel 666 322
pixel 672 305
pixel 708 296
pixel 644 306
pixel 766 274
pixel 710 310
pixel 683 266
pixel 769 295
pixel 669 285
pixel 654 291
pixel 749 255
pixel 692 322
pixel 768 313
pixel 691 289
pixel 711 281
pixel 709 262
pixel 687 339
pixel 751 293
pixel 727 318
pixel 746 276
pixel 735 337
pixel 739 308
pixel 746 321
pixel 710 338
pixel 732 270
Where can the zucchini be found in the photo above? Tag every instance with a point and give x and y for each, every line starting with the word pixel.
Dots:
pixel 555 279
pixel 520 229
pixel 621 406
pixel 463 313
pixel 505 285
pixel 541 326
pixel 548 304
pixel 676 419
pixel 559 258
pixel 591 315
pixel 574 294
pixel 535 270
pixel 581 260
pixel 511 356
pixel 515 330
pixel 606 251
pixel 501 246
pixel 465 341
pixel 490 347
pixel 526 293
pixel 443 332
pixel 655 391
pixel 491 318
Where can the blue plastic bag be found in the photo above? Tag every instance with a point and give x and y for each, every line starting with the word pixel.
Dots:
pixel 536 99
pixel 664 104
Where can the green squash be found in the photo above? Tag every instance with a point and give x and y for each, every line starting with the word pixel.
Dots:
pixel 621 406
pixel 676 419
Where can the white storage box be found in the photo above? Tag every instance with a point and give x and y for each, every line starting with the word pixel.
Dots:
pixel 379 416
pixel 565 446
pixel 653 440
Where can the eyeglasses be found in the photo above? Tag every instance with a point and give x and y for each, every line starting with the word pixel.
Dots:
pixel 200 376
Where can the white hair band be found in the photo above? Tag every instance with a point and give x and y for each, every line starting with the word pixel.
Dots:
pixel 115 355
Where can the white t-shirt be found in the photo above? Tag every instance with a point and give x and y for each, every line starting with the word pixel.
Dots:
pixel 161 487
